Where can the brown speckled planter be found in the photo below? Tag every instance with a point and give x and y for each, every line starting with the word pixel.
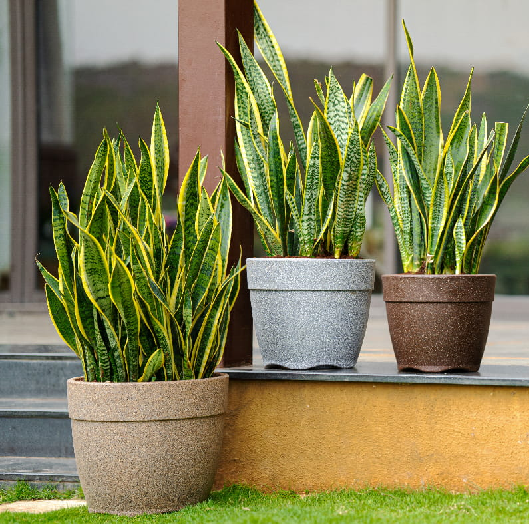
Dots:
pixel 147 447
pixel 438 322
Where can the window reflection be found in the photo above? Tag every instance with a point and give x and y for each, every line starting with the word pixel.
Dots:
pixel 5 148
pixel 489 36
pixel 100 71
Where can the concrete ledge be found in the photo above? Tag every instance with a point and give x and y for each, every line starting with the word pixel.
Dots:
pixel 323 433
pixel 386 372
pixel 71 356
pixel 35 349
pixel 39 471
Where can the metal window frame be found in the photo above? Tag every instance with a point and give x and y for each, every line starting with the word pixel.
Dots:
pixel 390 250
pixel 22 293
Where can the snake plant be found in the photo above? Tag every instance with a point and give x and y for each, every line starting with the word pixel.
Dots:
pixel 133 302
pixel 307 200
pixel 446 192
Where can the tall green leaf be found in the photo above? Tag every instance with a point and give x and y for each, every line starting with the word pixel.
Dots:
pixel 267 43
pixel 348 190
pixel 92 183
pixel 159 152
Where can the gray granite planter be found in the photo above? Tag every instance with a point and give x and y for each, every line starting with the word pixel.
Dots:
pixel 310 312
pixel 438 323
pixel 147 447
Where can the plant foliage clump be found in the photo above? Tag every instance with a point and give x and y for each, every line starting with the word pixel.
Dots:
pixel 446 192
pixel 307 200
pixel 133 302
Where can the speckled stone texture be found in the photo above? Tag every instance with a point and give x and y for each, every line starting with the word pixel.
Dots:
pixel 310 312
pixel 147 447
pixel 438 322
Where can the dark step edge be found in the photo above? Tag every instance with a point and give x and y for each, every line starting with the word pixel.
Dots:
pixel 39 471
pixel 33 413
pixel 35 348
pixel 40 356
pixel 59 482
pixel 38 477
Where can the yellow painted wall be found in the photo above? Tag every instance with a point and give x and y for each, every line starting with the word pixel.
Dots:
pixel 323 435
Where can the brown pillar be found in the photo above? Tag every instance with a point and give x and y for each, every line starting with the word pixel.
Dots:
pixel 206 91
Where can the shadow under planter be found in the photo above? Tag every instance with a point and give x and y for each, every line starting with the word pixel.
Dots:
pixel 147 447
pixel 438 322
pixel 310 312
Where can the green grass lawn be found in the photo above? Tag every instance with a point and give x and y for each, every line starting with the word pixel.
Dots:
pixel 23 491
pixel 243 505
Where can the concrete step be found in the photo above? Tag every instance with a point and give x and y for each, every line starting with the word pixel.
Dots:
pixel 31 375
pixel 39 471
pixel 33 348
pixel 35 427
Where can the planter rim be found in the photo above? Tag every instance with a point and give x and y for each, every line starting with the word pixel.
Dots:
pixel 148 384
pixel 411 287
pixel 445 276
pixel 343 259
pixel 310 274
pixel 146 401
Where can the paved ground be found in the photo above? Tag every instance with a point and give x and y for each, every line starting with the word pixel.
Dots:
pixel 508 341
pixel 27 328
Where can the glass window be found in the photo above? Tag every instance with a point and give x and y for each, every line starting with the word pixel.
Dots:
pixel 491 37
pixel 101 64
pixel 5 147
pixel 348 35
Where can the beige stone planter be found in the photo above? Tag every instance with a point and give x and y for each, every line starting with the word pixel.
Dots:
pixel 147 447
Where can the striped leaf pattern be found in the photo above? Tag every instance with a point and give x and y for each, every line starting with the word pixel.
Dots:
pixel 304 198
pixel 446 191
pixel 134 302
